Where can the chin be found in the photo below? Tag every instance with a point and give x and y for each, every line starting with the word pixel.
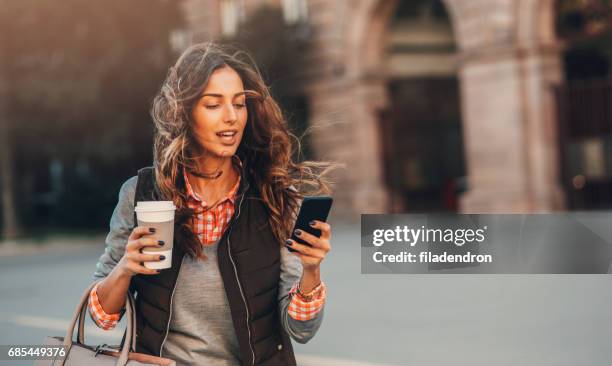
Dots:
pixel 225 152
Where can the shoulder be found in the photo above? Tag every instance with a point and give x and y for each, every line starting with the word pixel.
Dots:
pixel 127 192
pixel 129 185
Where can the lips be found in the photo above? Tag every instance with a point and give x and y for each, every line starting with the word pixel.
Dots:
pixel 228 137
pixel 227 133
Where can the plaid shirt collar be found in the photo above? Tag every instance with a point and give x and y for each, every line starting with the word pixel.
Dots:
pixel 231 196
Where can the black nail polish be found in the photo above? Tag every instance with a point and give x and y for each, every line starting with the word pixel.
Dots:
pixel 288 242
pixel 151 229
pixel 161 243
pixel 162 257
pixel 298 232
pixel 312 223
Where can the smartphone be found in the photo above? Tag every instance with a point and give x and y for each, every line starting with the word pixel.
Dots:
pixel 313 208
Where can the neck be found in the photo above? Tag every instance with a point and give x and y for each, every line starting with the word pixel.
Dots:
pixel 213 189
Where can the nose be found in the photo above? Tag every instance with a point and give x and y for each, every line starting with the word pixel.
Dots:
pixel 230 114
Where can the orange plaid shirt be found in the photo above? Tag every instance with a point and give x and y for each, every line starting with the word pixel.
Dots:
pixel 209 226
pixel 209 223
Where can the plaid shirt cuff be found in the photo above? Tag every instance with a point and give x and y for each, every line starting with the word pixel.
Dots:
pixel 299 309
pixel 99 316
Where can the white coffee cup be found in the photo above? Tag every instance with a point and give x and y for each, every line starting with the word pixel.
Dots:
pixel 159 215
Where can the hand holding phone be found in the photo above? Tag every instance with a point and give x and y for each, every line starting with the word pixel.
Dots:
pixel 313 208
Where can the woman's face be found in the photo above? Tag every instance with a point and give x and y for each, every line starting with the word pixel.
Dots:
pixel 220 115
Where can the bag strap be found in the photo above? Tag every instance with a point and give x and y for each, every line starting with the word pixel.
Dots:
pixel 133 345
pixel 79 315
pixel 81 331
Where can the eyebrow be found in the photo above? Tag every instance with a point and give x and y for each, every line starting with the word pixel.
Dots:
pixel 221 95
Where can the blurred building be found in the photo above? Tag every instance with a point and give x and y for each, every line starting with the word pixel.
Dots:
pixel 454 105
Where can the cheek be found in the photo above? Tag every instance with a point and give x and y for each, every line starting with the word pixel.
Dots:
pixel 203 120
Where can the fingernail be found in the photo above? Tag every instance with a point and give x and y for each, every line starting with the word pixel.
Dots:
pixel 151 229
pixel 162 257
pixel 312 223
pixel 288 242
pixel 298 232
pixel 161 243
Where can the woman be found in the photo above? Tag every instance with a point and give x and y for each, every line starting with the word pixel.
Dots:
pixel 234 294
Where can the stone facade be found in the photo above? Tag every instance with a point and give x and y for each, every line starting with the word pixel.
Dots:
pixel 507 58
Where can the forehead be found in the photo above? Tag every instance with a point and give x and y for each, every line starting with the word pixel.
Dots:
pixel 225 81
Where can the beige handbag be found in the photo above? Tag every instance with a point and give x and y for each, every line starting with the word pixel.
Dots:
pixel 78 353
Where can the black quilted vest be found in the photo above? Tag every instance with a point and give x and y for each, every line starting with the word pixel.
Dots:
pixel 249 263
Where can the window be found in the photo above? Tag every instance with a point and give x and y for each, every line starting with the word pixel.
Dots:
pixel 295 11
pixel 179 40
pixel 230 16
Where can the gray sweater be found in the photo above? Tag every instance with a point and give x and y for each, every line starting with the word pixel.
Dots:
pixel 201 330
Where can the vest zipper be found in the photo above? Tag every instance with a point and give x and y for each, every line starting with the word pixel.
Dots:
pixel 229 252
pixel 170 313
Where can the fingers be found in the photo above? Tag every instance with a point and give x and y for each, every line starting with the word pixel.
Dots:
pixel 137 268
pixel 138 244
pixel 320 243
pixel 135 260
pixel 311 255
pixel 323 226
pixel 137 241
pixel 140 231
pixel 145 257
pixel 305 249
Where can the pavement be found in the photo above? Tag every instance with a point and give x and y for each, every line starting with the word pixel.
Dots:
pixel 370 320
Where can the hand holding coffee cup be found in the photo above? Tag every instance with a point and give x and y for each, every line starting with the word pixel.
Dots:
pixel 134 258
pixel 158 215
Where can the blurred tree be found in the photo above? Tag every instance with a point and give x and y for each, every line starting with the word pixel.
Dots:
pixel 78 78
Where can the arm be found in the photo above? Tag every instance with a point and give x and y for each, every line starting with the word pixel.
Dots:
pixel 300 319
pixel 107 299
pixel 115 268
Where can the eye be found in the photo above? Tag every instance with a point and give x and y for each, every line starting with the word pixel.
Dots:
pixel 240 106
pixel 212 106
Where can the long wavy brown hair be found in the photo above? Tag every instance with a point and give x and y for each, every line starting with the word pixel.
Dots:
pixel 266 150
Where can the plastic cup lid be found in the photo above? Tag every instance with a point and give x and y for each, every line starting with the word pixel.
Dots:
pixel 154 206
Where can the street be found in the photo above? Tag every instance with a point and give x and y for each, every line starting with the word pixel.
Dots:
pixel 491 320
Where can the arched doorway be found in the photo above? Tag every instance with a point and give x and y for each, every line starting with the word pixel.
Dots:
pixel 584 102
pixel 420 129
